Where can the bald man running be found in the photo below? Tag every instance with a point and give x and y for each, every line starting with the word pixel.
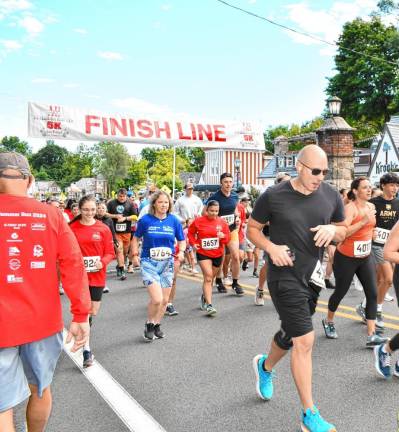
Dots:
pixel 305 215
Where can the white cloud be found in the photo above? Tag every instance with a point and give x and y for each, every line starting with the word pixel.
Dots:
pixel 32 25
pixel 43 80
pixel 326 24
pixel 140 106
pixel 92 96
pixel 51 19
pixel 11 45
pixel 166 7
pixel 110 55
pixel 80 31
pixel 251 1
pixel 10 6
pixel 71 85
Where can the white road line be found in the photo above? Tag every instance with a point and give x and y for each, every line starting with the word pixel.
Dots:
pixel 135 417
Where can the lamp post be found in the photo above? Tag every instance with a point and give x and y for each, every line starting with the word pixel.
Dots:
pixel 237 166
pixel 334 105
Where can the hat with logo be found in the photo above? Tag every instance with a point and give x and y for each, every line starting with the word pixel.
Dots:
pixel 14 161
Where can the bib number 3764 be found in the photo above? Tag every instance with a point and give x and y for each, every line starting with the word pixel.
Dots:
pixel 160 253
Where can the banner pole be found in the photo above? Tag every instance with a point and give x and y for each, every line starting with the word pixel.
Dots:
pixel 174 173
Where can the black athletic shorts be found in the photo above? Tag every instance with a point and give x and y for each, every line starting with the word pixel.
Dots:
pixel 216 262
pixel 295 303
pixel 96 293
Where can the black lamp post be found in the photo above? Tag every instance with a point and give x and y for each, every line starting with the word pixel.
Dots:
pixel 334 105
pixel 237 166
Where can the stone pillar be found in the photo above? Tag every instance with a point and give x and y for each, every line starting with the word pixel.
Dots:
pixel 335 137
pixel 280 145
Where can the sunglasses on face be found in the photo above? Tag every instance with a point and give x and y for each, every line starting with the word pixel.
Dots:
pixel 316 171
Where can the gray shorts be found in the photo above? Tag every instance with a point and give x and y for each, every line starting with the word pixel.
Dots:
pixel 32 363
pixel 378 254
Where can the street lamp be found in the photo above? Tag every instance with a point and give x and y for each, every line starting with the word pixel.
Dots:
pixel 237 166
pixel 334 105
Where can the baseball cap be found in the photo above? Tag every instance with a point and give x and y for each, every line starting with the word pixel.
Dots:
pixel 244 197
pixel 14 161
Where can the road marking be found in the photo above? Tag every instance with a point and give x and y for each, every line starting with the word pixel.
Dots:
pixel 252 288
pixel 133 415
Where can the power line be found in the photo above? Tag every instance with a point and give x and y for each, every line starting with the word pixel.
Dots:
pixel 308 35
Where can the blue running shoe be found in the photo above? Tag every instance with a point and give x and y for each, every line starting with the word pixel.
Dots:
pixel 312 421
pixel 264 380
pixel 382 361
pixel 396 370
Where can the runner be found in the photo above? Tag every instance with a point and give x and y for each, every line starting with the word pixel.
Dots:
pixel 74 210
pixel 353 256
pixel 122 212
pixel 301 212
pixel 95 242
pixel 251 253
pixel 383 353
pixel 33 237
pixel 188 206
pixel 387 207
pixel 209 234
pixel 228 200
pixel 158 229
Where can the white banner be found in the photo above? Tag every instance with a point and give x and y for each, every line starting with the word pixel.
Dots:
pixel 61 122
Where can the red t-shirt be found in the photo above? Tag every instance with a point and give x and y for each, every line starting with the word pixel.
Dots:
pixel 202 233
pixel 242 213
pixel 34 238
pixel 95 242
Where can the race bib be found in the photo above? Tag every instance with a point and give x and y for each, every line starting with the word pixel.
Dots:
pixel 210 243
pixel 160 253
pixel 90 263
pixel 382 235
pixel 317 277
pixel 120 227
pixel 230 219
pixel 361 248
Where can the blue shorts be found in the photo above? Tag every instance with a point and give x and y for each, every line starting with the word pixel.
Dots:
pixel 32 363
pixel 160 272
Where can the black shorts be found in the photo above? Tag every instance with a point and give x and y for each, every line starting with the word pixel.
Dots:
pixel 96 293
pixel 216 262
pixel 295 303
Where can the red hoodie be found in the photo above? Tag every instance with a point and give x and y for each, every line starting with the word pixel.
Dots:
pixel 95 241
pixel 202 233
pixel 34 237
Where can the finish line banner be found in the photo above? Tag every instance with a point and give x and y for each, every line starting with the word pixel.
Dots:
pixel 61 122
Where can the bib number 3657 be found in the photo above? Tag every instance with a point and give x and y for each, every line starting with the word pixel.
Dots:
pixel 210 243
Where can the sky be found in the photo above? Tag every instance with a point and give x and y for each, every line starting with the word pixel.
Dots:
pixel 193 58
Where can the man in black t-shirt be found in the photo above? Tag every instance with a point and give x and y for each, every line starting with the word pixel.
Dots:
pixel 305 215
pixel 122 212
pixel 387 214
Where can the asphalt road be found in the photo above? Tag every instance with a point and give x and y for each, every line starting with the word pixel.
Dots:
pixel 200 377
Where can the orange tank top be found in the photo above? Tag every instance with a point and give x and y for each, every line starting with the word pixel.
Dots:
pixel 358 245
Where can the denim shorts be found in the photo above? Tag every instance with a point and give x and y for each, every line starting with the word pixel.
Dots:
pixel 32 363
pixel 160 272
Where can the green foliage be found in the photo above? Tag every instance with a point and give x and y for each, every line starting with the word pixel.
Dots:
pixel 150 155
pixel 367 86
pixel 13 143
pixel 52 159
pixel 42 174
pixel 137 173
pixel 78 164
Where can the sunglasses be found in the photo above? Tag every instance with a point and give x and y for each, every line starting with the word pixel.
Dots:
pixel 316 171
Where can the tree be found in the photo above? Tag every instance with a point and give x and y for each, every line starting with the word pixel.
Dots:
pixel 112 160
pixel 52 159
pixel 367 80
pixel 150 154
pixel 42 174
pixel 13 143
pixel 137 172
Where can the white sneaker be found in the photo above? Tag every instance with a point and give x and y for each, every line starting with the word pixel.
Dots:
pixel 106 289
pixel 259 300
pixel 194 271
pixel 388 298
pixel 227 281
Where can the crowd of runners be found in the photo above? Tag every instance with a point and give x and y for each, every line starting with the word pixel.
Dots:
pixel 299 237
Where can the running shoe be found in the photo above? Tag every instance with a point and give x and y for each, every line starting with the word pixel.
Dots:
pixel 382 361
pixel 361 311
pixel 149 332
pixel 255 274
pixel 221 288
pixel 90 320
pixel 158 333
pixel 130 268
pixel 106 290
pixel 388 298
pixel 228 281
pixel 379 322
pixel 237 288
pixel 60 289
pixel 210 310
pixel 203 302
pixel 244 265
pixel 329 329
pixel 396 369
pixel 312 421
pixel 194 271
pixel 264 379
pixel 118 272
pixel 259 300
pixel 88 358
pixel 170 310
pixel 375 340
pixel 329 284
pixel 123 275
